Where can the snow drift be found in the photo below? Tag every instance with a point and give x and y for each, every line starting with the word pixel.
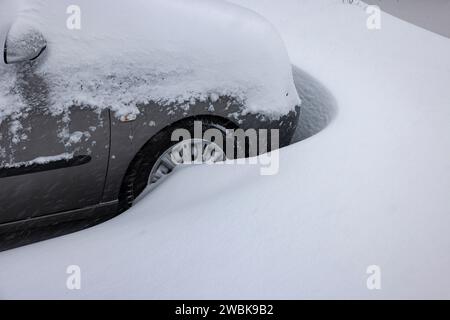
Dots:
pixel 371 189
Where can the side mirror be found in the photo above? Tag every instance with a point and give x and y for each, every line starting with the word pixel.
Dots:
pixel 23 43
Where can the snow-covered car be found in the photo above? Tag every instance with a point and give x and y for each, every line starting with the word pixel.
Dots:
pixel 90 94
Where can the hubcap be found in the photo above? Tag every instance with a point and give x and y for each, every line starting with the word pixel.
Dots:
pixel 189 152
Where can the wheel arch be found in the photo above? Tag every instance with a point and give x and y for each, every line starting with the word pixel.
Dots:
pixel 141 151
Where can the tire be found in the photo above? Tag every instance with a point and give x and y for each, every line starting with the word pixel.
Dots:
pixel 138 173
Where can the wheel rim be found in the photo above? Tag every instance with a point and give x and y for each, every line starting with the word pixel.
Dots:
pixel 185 153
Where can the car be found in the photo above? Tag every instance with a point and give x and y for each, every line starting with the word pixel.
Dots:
pixel 91 94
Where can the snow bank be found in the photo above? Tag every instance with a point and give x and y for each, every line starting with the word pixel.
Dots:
pixel 371 189
pixel 170 52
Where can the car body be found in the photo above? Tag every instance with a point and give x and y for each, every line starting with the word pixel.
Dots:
pixel 63 159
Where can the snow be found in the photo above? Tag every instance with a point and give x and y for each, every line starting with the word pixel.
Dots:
pixel 151 57
pixel 369 189
pixel 23 42
pixel 41 160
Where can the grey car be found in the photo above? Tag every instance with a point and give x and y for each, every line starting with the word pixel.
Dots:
pixel 87 162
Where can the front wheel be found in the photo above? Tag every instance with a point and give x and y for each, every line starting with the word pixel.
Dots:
pixel 161 156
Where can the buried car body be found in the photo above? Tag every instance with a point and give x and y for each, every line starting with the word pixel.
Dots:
pixel 87 107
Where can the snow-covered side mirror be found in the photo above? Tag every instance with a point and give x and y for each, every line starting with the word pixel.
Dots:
pixel 23 43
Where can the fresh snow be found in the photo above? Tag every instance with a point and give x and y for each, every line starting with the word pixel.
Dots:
pixel 171 52
pixel 372 188
pixel 41 160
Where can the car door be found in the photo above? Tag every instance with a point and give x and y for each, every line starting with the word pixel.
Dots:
pixel 50 161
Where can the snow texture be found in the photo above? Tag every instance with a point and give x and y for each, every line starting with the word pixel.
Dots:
pixel 171 52
pixel 372 188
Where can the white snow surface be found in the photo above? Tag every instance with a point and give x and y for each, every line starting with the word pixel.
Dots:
pixel 371 189
pixel 170 52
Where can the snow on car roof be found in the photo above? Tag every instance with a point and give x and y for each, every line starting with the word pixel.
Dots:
pixel 170 52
